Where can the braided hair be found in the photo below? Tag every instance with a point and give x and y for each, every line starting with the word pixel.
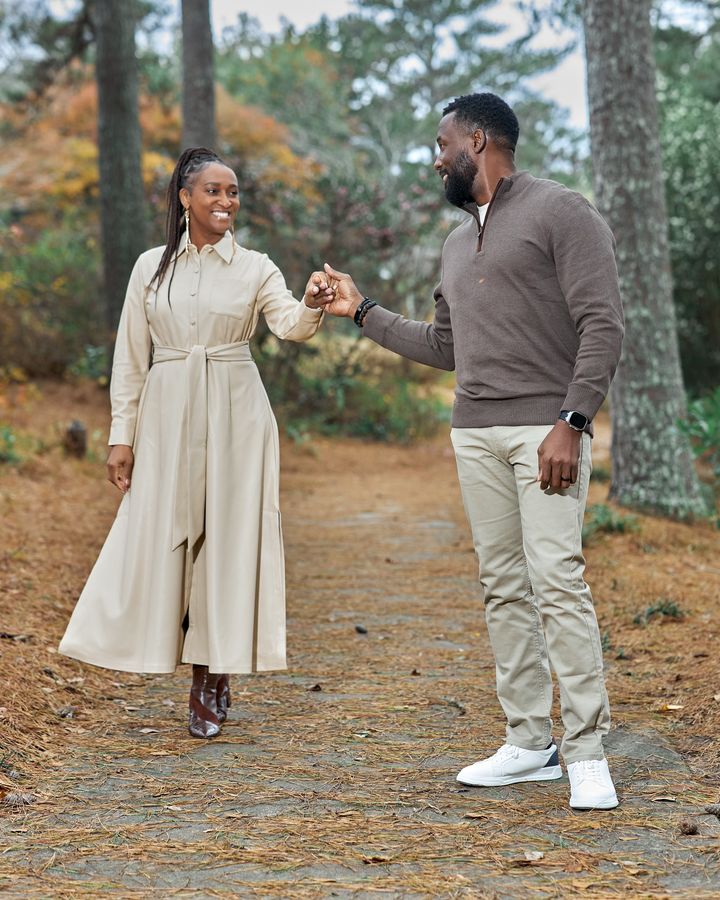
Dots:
pixel 190 163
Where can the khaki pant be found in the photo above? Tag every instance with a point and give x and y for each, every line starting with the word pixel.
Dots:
pixel 538 608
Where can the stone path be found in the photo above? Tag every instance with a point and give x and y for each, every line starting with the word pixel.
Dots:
pixel 337 779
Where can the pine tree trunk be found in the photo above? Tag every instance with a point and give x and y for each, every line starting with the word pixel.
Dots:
pixel 652 461
pixel 122 200
pixel 198 76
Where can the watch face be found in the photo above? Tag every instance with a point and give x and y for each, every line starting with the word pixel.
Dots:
pixel 577 420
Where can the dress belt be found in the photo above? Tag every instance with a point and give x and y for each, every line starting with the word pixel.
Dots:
pixel 191 466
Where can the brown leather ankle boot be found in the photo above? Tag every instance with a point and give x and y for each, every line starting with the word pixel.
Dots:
pixel 204 721
pixel 224 700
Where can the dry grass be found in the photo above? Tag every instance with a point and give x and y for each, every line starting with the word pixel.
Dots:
pixel 338 776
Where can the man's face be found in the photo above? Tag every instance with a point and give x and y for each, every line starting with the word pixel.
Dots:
pixel 454 163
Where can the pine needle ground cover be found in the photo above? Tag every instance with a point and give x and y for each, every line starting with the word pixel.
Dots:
pixel 337 778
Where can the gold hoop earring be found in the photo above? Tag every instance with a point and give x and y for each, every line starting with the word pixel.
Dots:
pixel 187 229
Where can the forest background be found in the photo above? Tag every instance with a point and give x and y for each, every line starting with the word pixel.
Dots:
pixel 331 132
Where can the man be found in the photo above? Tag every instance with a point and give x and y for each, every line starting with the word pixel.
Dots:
pixel 528 312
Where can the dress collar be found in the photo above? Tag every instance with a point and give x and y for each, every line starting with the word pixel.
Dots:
pixel 225 247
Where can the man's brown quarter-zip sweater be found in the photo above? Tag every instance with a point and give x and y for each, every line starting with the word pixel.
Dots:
pixel 527 311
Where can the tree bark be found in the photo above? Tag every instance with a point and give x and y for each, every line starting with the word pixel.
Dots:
pixel 198 93
pixel 122 200
pixel 652 460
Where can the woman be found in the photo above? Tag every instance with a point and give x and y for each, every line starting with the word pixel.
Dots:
pixel 192 570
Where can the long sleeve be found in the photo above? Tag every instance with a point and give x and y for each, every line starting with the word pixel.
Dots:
pixel 583 249
pixel 287 318
pixel 430 343
pixel 131 361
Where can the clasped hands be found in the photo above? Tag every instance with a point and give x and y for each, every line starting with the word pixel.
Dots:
pixel 333 291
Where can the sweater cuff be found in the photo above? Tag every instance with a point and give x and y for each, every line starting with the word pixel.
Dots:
pixel 376 323
pixel 583 400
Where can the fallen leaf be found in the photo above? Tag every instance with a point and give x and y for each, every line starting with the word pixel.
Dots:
pixel 149 731
pixel 716 697
pixel 368 860
pixel 534 855
pixel 664 799
pixel 175 808
pixel 670 707
pixel 475 816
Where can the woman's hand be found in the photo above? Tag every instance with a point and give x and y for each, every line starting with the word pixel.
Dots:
pixel 119 466
pixel 318 292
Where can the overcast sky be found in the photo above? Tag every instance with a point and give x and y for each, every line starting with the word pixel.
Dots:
pixel 565 84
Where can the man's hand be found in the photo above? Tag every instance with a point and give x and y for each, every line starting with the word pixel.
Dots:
pixel 558 458
pixel 119 466
pixel 318 292
pixel 347 296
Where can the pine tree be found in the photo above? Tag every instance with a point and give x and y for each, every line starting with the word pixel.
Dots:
pixel 652 460
pixel 122 202
pixel 198 92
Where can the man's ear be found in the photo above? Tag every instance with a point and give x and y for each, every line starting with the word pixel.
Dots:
pixel 479 140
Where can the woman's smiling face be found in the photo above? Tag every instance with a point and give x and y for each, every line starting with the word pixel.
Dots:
pixel 213 202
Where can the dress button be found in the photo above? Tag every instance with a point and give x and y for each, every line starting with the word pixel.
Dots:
pixel 192 321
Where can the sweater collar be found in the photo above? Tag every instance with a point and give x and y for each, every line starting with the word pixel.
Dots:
pixel 503 187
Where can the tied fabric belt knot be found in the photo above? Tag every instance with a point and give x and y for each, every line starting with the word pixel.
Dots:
pixel 191 467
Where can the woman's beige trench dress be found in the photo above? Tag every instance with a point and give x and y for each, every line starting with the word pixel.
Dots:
pixel 188 398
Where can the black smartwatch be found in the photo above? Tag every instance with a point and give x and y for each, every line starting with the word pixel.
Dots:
pixel 576 420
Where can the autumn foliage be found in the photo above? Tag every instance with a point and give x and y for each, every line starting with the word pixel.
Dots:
pixel 51 303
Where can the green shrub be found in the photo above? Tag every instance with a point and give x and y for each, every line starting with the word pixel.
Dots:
pixel 332 387
pixel 50 297
pixel 703 427
pixel 603 519
pixel 600 474
pixel 8 441
pixel 93 363
pixel 662 607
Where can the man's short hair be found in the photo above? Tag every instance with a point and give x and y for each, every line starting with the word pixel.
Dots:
pixel 488 112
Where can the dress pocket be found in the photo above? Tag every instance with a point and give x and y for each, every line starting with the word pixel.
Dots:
pixel 238 305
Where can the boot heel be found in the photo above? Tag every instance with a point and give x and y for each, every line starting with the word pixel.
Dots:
pixel 224 698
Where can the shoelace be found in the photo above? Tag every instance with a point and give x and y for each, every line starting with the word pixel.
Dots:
pixel 507 751
pixel 590 770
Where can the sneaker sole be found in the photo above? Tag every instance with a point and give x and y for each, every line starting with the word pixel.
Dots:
pixel 547 773
pixel 610 803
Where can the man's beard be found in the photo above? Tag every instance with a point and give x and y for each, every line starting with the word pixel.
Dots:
pixel 458 187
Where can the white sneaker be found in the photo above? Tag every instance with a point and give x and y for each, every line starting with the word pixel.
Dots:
pixel 511 765
pixel 591 786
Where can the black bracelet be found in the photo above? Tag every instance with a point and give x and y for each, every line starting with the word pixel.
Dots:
pixel 363 309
